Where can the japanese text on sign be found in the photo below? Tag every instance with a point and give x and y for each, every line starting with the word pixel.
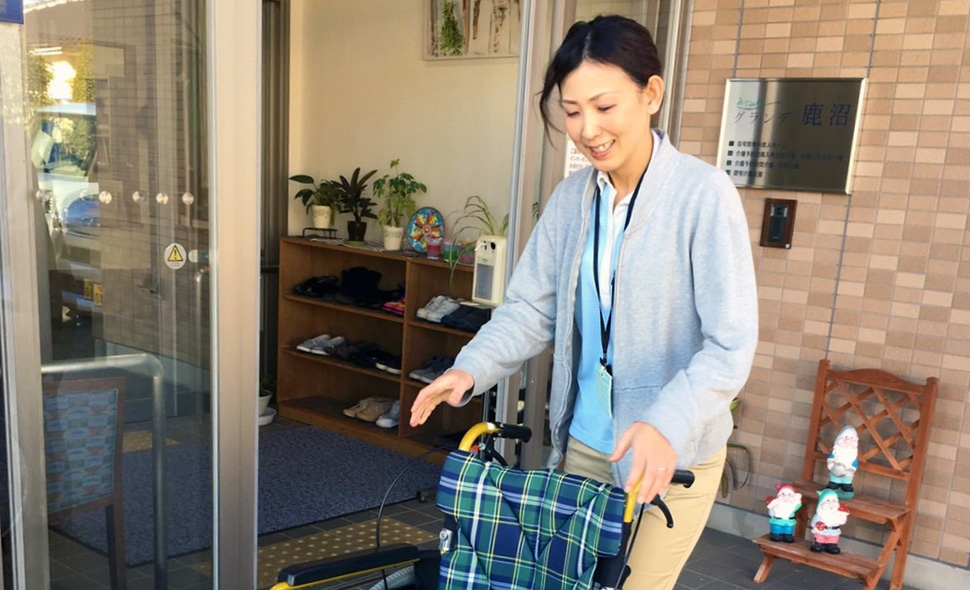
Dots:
pixel 794 134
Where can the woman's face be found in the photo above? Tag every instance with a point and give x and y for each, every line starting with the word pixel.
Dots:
pixel 608 117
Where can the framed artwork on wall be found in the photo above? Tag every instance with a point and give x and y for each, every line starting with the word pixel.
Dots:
pixel 457 29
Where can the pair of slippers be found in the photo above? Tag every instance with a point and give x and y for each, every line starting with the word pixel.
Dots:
pixel 469 318
pixel 320 344
pixel 370 409
pixel 432 369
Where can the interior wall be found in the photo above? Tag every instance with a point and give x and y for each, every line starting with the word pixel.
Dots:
pixel 880 278
pixel 362 95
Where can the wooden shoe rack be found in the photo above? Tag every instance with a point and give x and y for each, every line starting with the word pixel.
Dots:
pixel 315 389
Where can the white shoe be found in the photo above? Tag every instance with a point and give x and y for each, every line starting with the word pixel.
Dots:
pixel 447 306
pixel 390 419
pixel 312 343
pixel 429 307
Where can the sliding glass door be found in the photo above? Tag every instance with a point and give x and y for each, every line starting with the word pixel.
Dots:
pixel 124 144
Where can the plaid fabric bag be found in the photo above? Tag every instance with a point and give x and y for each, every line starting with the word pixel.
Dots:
pixel 538 529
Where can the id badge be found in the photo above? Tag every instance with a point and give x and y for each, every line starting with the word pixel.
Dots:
pixel 604 389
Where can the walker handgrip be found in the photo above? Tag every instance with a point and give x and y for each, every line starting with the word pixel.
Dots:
pixel 683 477
pixel 514 431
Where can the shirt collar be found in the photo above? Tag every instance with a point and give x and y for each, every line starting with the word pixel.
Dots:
pixel 603 179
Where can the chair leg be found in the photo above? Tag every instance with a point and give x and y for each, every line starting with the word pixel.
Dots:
pixel 115 524
pixel 765 569
pixel 902 551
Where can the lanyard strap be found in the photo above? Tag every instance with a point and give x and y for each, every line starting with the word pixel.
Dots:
pixel 607 326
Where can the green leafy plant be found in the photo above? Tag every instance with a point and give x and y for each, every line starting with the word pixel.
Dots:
pixel 477 215
pixel 350 195
pixel 398 193
pixel 323 193
pixel 730 480
pixel 452 40
pixel 267 385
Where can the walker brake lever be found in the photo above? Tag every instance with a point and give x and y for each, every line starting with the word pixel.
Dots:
pixel 663 508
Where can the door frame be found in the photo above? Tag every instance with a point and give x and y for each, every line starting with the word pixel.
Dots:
pixel 234 34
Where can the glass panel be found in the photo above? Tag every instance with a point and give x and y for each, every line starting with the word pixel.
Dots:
pixel 116 136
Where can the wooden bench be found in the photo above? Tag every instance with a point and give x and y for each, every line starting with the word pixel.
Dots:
pixel 892 417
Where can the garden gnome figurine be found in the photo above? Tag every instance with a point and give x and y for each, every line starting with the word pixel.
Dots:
pixel 827 522
pixel 843 462
pixel 781 513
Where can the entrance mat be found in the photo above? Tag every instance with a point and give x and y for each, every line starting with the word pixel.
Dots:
pixel 306 475
pixel 353 537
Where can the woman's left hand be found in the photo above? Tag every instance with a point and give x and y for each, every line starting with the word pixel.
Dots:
pixel 654 460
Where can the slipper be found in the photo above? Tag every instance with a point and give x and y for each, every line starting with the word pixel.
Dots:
pixel 378 407
pixel 353 411
pixel 312 343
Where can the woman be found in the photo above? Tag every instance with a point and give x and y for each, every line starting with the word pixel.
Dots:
pixel 639 272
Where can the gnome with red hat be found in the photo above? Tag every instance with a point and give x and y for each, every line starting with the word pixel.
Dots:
pixel 781 513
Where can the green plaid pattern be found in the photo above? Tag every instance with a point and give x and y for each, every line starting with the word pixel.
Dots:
pixel 517 529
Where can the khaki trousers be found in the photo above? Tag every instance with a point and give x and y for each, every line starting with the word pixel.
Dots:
pixel 659 553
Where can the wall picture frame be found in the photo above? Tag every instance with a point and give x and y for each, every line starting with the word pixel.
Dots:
pixel 461 29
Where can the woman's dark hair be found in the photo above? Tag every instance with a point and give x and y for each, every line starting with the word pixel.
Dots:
pixel 612 40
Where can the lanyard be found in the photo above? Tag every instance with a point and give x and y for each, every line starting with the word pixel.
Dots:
pixel 607 326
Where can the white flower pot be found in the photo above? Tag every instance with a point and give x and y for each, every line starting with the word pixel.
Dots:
pixel 392 237
pixel 322 215
pixel 264 403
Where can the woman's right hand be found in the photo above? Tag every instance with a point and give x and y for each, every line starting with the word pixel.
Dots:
pixel 450 387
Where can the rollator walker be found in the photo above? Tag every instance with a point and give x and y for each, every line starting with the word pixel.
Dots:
pixel 505 528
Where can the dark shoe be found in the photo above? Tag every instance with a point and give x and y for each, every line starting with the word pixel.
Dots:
pixel 358 284
pixel 818 547
pixel 455 318
pixel 832 548
pixel 776 537
pixel 323 287
pixel 833 486
pixel 788 538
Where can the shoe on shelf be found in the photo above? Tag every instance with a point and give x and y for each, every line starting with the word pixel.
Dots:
pixel 432 369
pixel 391 418
pixel 322 349
pixel 430 306
pixel 312 343
pixel 445 307
pixel 353 411
pixel 378 407
pixel 388 363
pixel 395 307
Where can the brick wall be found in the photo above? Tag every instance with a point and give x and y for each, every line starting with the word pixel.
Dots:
pixel 880 278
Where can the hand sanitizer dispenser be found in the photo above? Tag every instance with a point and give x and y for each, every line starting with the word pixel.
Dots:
pixel 488 283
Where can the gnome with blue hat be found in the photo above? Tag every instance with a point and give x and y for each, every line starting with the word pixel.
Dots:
pixel 827 522
pixel 843 462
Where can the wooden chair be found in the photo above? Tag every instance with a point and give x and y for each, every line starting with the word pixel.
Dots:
pixel 892 417
pixel 83 428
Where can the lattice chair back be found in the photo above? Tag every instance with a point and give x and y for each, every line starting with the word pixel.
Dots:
pixel 890 415
pixel 515 529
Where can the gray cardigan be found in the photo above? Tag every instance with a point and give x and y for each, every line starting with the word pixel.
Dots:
pixel 685 321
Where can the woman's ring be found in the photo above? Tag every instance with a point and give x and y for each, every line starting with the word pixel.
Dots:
pixel 661 469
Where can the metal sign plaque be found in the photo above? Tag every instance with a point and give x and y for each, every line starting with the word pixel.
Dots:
pixel 795 134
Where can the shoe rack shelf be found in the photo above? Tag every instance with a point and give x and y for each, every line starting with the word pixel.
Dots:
pixel 316 389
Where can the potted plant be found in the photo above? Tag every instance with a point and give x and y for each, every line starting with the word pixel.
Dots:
pixel 267 387
pixel 350 194
pixel 397 193
pixel 475 215
pixel 319 200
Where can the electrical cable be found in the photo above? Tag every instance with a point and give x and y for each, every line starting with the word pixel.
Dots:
pixel 380 510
